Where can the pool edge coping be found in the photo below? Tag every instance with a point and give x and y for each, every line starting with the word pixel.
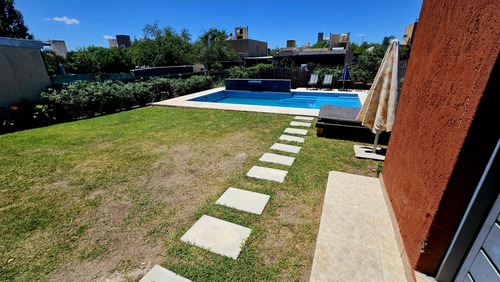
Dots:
pixel 183 101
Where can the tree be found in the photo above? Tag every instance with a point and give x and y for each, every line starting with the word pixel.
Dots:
pixel 12 22
pixel 213 49
pixel 387 40
pixel 162 47
pixel 52 61
pixel 97 59
pixel 320 44
pixel 273 51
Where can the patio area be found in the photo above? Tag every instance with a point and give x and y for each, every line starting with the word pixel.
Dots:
pixel 356 240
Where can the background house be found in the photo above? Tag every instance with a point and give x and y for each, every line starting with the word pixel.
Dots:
pixel 249 50
pixel 334 52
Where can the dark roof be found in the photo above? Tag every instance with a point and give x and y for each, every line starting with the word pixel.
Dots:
pixel 328 53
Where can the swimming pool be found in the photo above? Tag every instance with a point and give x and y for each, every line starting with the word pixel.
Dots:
pixel 305 100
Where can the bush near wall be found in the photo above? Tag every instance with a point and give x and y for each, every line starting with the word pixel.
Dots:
pixel 88 99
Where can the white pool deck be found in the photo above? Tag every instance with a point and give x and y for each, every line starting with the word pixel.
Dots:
pixel 183 101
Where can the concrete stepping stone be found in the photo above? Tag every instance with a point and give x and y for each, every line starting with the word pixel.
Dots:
pixel 244 200
pixel 218 236
pixel 277 159
pixel 366 152
pixel 161 274
pixel 286 148
pixel 298 123
pixel 304 118
pixel 266 173
pixel 285 137
pixel 296 131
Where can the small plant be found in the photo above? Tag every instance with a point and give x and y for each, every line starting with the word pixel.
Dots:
pixel 380 168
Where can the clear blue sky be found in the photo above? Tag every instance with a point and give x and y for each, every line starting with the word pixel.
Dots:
pixel 88 22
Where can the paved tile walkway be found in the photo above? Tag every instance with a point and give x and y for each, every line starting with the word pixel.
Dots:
pixel 266 173
pixel 285 137
pixel 356 240
pixel 244 200
pixel 161 274
pixel 218 236
pixel 285 148
pixel 277 159
pixel 296 131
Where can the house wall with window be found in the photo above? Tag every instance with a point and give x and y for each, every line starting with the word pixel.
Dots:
pixel 447 124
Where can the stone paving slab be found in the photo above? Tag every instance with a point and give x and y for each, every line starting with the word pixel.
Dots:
pixel 296 131
pixel 286 148
pixel 366 152
pixel 285 137
pixel 356 239
pixel 266 173
pixel 298 123
pixel 277 159
pixel 218 236
pixel 304 118
pixel 161 274
pixel 244 200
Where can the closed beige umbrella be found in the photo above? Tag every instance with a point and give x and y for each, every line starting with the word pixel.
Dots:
pixel 379 110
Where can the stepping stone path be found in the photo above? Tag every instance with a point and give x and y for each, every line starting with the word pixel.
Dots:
pixel 161 274
pixel 218 236
pixel 244 200
pixel 285 137
pixel 266 173
pixel 286 148
pixel 277 159
pixel 298 123
pixel 226 238
pixel 304 118
pixel 296 131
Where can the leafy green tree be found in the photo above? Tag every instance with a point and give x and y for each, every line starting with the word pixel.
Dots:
pixel 273 51
pixel 319 44
pixel 387 40
pixel 52 61
pixel 213 49
pixel 162 47
pixel 404 52
pixel 80 61
pixel 98 59
pixel 12 22
pixel 110 59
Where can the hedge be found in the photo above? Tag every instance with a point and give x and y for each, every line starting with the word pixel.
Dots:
pixel 87 99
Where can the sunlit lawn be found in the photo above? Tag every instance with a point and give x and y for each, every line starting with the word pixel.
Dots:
pixel 109 197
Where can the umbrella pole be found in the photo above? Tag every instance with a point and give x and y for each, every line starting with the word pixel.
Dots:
pixel 375 143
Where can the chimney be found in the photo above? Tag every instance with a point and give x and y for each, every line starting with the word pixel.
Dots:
pixel 320 36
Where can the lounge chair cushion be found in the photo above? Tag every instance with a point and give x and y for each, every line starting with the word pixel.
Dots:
pixel 340 116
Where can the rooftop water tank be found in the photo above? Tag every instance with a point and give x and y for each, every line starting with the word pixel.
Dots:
pixel 343 37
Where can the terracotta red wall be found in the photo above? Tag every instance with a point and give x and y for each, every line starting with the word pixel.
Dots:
pixel 438 146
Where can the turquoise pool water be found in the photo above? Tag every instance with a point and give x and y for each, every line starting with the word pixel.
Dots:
pixel 306 100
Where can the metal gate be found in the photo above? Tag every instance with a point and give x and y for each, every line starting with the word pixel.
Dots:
pixel 474 254
pixel 482 263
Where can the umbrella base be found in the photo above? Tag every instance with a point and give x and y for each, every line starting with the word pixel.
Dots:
pixel 366 152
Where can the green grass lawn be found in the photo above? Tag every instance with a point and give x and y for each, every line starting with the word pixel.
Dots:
pixel 110 197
